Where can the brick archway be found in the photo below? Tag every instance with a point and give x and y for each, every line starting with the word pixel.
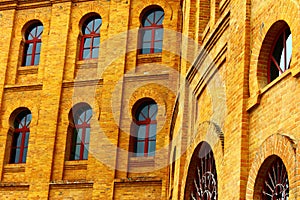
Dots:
pixel 278 145
pixel 206 134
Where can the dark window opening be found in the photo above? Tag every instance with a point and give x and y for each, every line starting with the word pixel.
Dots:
pixel 280 57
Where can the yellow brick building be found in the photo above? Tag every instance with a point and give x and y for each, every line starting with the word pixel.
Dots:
pixel 155 99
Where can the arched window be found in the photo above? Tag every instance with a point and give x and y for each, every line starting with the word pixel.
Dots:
pixel 90 40
pixel 32 45
pixel 281 54
pixel 202 182
pixel 20 137
pixel 145 136
pixel 272 181
pixel 82 115
pixel 151 32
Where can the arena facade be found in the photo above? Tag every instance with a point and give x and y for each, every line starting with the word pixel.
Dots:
pixel 154 99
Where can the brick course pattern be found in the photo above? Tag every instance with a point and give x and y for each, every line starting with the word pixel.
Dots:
pixel 209 82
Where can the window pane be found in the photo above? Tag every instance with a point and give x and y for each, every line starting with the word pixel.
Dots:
pixel 29 48
pixel 88 115
pixel 17 155
pixel 140 148
pixel 77 152
pixel 79 136
pixel 28 119
pixel 90 26
pixel 95 53
pixel 29 37
pixel 151 17
pixel 28 60
pixel 141 117
pixel 24 155
pixel 36 59
pixel 145 111
pixel 86 53
pixel 39 31
pixel 288 50
pixel 86 31
pixel 87 42
pixel 38 47
pixel 19 139
pixel 96 42
pixel 86 152
pixel 151 148
pixel 142 132
pixel 22 122
pixel 158 47
pixel 146 23
pixel 26 139
pixel 147 36
pixel 153 111
pixel 87 135
pixel 152 131
pixel 159 18
pixel 159 34
pixel 98 23
pixel 146 48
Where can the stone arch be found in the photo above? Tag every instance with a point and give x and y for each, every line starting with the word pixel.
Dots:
pixel 281 146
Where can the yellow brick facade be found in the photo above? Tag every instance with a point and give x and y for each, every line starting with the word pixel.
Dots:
pixel 209 82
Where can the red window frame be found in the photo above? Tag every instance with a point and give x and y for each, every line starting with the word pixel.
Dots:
pixel 81 139
pixel 275 69
pixel 33 44
pixel 20 138
pixel 91 34
pixel 153 25
pixel 144 137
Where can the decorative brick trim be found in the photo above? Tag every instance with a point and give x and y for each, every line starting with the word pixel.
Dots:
pixel 71 184
pixel 76 165
pixel 14 168
pixel 28 70
pixel 21 88
pixel 14 186
pixel 82 83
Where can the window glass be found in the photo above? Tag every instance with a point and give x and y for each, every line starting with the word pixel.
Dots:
pixel 32 46
pixel 152 32
pixel 81 133
pixel 145 139
pixel 89 48
pixel 281 55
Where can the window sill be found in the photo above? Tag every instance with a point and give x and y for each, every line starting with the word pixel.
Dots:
pixel 254 100
pixel 76 165
pixel 89 63
pixel 149 58
pixel 141 161
pixel 14 168
pixel 23 70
